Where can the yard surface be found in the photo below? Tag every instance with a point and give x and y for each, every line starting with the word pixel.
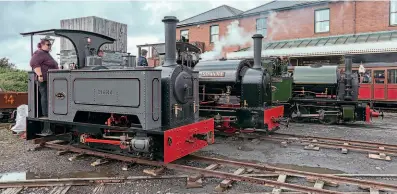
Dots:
pixel 16 157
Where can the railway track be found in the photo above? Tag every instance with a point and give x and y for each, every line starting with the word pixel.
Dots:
pixel 375 150
pixel 252 173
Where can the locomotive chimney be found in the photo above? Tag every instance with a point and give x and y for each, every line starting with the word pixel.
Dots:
pixel 348 77
pixel 257 50
pixel 170 40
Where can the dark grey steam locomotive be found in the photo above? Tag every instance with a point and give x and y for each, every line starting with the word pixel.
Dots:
pixel 237 94
pixel 145 112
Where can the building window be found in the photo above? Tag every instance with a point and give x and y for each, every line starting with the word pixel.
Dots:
pixel 393 12
pixel 214 33
pixel 184 35
pixel 261 26
pixel 321 20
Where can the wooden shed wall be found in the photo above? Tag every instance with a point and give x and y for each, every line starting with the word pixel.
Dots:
pixel 106 27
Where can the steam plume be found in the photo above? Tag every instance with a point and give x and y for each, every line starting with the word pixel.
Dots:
pixel 235 36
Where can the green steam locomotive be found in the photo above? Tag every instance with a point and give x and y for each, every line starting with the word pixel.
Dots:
pixel 317 92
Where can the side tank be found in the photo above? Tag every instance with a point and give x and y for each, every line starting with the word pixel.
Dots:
pixel 316 79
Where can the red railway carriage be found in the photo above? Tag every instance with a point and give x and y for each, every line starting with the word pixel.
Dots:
pixel 379 83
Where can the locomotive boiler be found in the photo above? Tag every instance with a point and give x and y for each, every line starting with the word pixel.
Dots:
pixel 325 94
pixel 237 94
pixel 139 112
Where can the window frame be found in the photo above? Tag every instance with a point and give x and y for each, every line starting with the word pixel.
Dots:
pixel 390 13
pixel 329 20
pixel 184 31
pixel 211 41
pixel 256 25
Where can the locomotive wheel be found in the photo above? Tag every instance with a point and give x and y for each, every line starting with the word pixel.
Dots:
pixel 302 110
pixel 329 120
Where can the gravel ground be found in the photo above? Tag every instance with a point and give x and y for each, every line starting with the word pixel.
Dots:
pixel 16 157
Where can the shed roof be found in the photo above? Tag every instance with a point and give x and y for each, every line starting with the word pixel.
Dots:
pixel 220 12
pixel 333 40
pixel 374 42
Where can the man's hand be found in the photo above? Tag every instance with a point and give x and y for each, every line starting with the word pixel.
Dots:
pixel 41 79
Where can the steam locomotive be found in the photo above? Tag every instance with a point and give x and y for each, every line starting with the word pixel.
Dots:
pixel 139 112
pixel 320 93
pixel 237 94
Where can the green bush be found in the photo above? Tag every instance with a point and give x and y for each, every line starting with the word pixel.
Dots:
pixel 12 79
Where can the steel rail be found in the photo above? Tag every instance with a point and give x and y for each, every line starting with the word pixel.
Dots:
pixel 322 143
pixel 337 146
pixel 205 172
pixel 336 140
pixel 79 181
pixel 325 177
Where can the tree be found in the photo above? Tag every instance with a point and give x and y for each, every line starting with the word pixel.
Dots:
pixel 13 80
pixel 4 63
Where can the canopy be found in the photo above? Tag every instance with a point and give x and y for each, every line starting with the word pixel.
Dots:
pixel 79 38
pixel 379 42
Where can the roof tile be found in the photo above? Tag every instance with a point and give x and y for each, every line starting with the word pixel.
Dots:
pixel 223 11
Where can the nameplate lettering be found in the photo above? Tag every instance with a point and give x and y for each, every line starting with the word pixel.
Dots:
pixel 212 74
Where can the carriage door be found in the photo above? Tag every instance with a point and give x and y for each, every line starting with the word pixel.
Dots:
pixel 379 85
pixel 391 84
pixel 366 88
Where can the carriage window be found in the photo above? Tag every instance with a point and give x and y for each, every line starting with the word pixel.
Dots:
pixel 392 76
pixel 366 78
pixel 379 76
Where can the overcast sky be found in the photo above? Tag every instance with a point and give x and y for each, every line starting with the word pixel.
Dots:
pixel 142 17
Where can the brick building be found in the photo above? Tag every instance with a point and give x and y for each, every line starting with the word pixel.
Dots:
pixel 304 28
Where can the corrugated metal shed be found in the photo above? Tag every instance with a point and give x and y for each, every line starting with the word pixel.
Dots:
pixel 220 12
pixel 102 26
